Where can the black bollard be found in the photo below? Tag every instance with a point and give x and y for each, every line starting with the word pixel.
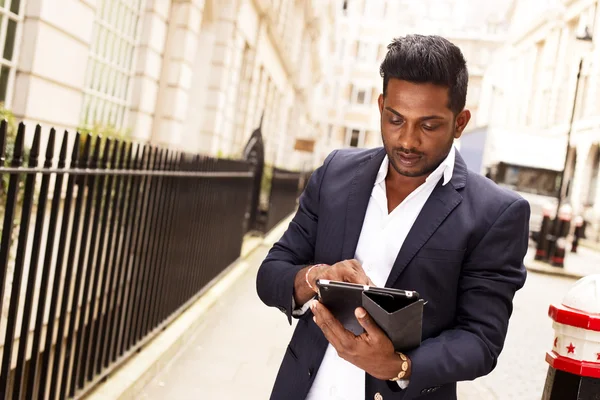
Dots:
pixel 578 234
pixel 558 247
pixel 541 252
pixel 561 385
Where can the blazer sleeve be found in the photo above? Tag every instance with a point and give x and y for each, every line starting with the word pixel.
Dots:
pixel 295 250
pixel 490 277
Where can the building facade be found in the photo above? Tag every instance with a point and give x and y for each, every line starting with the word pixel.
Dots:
pixel 191 74
pixel 366 27
pixel 533 98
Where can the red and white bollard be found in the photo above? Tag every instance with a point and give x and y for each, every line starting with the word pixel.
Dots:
pixel 574 372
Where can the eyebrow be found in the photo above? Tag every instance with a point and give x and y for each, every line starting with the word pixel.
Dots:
pixel 425 118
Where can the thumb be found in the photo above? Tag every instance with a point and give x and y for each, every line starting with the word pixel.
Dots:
pixel 367 322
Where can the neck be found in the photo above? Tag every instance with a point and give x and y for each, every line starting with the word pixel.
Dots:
pixel 398 187
pixel 397 182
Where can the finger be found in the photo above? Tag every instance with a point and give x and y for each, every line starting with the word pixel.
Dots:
pixel 333 330
pixel 370 326
pixel 349 274
pixel 361 275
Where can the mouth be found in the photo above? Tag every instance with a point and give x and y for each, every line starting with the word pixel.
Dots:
pixel 408 160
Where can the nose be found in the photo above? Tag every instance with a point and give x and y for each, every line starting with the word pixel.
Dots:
pixel 409 136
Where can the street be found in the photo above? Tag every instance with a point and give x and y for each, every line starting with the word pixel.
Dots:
pixel 521 369
pixel 237 351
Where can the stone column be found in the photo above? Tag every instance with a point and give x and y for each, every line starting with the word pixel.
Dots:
pixel 149 55
pixel 581 177
pixel 218 128
pixel 176 76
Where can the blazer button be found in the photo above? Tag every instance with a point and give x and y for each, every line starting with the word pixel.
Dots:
pixel 310 372
pixel 378 396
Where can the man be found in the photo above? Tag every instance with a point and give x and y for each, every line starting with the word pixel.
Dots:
pixel 409 216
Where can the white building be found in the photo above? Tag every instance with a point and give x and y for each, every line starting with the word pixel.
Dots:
pixel 529 95
pixel 366 27
pixel 192 74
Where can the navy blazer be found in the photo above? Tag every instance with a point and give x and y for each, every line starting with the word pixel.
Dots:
pixel 464 255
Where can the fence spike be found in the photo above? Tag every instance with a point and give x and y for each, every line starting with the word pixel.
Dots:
pixel 96 155
pixel 128 161
pixel 87 147
pixel 35 147
pixel 122 154
pixel 62 157
pixel 115 155
pixel 107 149
pixel 18 150
pixel 75 156
pixel 50 147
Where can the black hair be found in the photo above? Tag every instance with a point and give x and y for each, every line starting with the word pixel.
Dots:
pixel 428 59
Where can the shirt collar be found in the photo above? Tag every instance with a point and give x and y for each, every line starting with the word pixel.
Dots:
pixel 445 169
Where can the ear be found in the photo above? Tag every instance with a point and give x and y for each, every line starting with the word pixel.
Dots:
pixel 462 120
pixel 380 102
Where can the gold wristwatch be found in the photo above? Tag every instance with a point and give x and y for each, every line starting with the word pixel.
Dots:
pixel 402 372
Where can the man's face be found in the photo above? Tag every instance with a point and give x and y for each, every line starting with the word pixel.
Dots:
pixel 417 126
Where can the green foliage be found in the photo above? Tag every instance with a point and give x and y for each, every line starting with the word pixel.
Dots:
pixel 105 131
pixel 6 114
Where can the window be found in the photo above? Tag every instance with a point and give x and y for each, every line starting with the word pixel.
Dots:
pixel 11 16
pixel 111 63
pixel 360 98
pixel 360 95
pixel 364 51
pixel 354 137
pixel 528 179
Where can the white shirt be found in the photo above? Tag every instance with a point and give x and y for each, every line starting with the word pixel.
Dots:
pixel 380 240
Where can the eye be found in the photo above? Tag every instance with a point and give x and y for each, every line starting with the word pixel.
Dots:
pixel 430 128
pixel 396 121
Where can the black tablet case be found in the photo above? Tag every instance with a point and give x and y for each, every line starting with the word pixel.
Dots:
pixel 400 318
pixel 402 321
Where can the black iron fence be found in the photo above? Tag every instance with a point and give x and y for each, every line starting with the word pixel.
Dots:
pixel 101 247
pixel 285 188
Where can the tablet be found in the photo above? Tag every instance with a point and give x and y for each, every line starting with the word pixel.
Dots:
pixel 342 299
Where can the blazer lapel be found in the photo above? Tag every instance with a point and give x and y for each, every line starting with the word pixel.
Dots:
pixel 440 204
pixel 358 200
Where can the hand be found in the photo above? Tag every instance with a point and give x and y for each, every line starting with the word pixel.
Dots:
pixel 344 271
pixel 372 351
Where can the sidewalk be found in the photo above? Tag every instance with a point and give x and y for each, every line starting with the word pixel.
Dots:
pixel 577 265
pixel 238 348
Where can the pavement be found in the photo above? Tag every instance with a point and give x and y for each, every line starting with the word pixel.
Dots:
pixel 237 349
pixel 577 265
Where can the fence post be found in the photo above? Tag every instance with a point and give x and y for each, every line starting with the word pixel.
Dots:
pixel 254 153
pixel 574 371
